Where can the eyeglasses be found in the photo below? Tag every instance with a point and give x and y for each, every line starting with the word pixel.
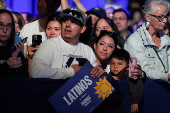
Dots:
pixel 120 18
pixel 74 13
pixel 8 26
pixel 160 18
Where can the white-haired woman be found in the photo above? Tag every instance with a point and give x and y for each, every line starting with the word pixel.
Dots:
pixel 149 44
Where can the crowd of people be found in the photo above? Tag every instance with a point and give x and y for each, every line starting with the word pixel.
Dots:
pixel 107 41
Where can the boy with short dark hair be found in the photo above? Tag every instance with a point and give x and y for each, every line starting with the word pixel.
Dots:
pixel 118 70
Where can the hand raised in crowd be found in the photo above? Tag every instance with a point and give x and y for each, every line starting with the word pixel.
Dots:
pixel 14 62
pixel 76 1
pixel 18 46
pixel 134 108
pixel 76 67
pixel 31 51
pixel 96 72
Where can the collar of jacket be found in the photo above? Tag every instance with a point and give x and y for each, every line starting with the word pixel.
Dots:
pixel 147 39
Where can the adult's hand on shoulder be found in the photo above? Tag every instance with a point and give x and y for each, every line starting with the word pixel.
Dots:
pixel 14 62
pixel 96 72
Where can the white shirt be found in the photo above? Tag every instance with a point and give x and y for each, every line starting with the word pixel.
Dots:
pixel 54 58
pixel 30 29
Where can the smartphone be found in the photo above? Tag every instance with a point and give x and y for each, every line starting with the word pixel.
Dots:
pixel 132 64
pixel 36 40
pixel 24 39
pixel 14 48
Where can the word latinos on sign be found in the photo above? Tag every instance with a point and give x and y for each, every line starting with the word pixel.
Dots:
pixel 77 90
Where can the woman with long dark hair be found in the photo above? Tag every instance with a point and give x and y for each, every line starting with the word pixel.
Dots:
pixel 104 24
pixel 12 62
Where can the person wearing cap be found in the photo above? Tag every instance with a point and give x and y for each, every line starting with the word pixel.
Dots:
pixel 92 16
pixel 95 14
pixel 59 57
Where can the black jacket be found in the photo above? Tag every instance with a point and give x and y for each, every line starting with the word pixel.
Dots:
pixel 6 71
pixel 113 103
pixel 135 87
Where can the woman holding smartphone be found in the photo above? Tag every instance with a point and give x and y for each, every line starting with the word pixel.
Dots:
pixel 52 29
pixel 12 62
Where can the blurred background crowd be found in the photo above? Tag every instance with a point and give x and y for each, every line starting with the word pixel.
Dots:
pixel 28 8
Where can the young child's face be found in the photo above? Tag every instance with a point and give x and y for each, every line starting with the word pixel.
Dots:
pixel 117 65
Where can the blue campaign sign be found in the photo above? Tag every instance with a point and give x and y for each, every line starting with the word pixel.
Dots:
pixel 81 93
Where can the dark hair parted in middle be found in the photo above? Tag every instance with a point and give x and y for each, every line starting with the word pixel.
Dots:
pixel 53 17
pixel 112 25
pixel 108 33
